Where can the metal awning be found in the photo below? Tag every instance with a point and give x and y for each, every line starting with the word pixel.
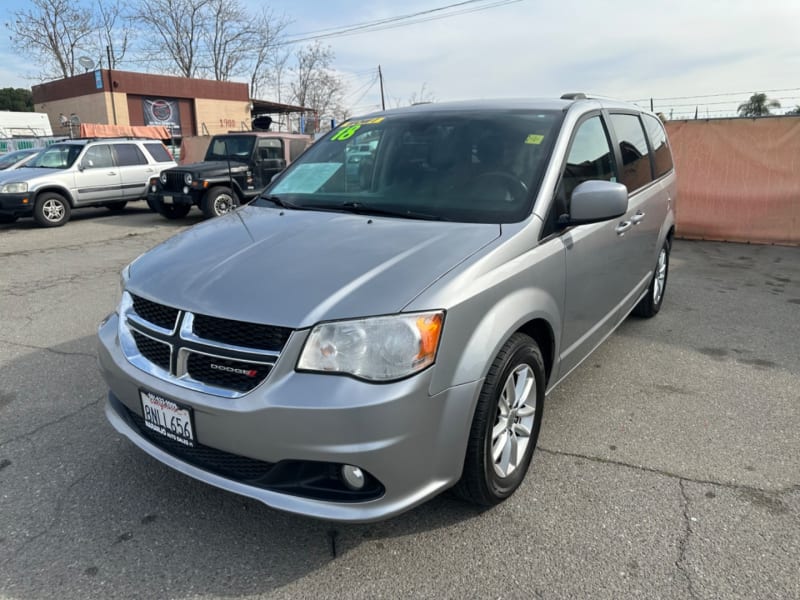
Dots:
pixel 266 107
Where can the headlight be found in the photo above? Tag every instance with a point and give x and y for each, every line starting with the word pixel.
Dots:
pixel 124 275
pixel 377 349
pixel 163 178
pixel 14 188
pixel 188 179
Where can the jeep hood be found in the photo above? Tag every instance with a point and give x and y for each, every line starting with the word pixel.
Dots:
pixel 296 268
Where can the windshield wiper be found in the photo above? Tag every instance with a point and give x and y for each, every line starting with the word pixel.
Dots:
pixel 365 209
pixel 277 201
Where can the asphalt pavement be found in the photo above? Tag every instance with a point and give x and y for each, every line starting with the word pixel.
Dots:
pixel 668 464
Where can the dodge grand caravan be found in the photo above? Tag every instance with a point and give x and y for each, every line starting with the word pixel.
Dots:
pixel 346 347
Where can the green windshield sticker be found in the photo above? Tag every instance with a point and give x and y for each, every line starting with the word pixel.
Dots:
pixel 534 138
pixel 345 133
pixel 372 121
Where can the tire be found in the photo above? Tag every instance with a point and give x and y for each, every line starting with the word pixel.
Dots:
pixel 6 219
pixel 170 211
pixel 116 206
pixel 650 305
pixel 489 475
pixel 51 210
pixel 219 201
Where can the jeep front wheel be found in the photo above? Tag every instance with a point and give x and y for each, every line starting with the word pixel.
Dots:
pixel 51 210
pixel 219 201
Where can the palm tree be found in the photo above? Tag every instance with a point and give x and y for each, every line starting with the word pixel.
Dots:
pixel 757 106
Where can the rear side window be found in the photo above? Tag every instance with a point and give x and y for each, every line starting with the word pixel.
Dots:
pixel 158 152
pixel 129 154
pixel 635 171
pixel 662 157
pixel 296 148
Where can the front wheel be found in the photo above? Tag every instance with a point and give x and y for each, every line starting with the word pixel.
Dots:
pixel 219 201
pixel 51 210
pixel 506 424
pixel 651 303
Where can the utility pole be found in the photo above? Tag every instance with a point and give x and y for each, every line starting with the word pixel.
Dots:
pixel 380 76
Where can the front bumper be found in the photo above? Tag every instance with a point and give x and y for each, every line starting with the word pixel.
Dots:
pixel 18 205
pixel 410 442
pixel 168 197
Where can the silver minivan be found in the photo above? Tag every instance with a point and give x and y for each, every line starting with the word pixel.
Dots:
pixel 348 347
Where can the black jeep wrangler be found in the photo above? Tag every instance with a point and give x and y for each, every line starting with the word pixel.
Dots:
pixel 236 169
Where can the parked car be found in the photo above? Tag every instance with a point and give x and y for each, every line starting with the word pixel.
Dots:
pixel 236 169
pixel 78 173
pixel 18 158
pixel 348 349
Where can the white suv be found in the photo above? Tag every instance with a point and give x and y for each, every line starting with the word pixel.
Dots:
pixel 79 173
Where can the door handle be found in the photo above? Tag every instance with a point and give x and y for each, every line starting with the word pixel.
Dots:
pixel 623 227
pixel 638 217
pixel 112 173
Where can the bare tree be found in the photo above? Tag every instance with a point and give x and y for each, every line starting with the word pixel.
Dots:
pixel 316 85
pixel 177 31
pixel 55 31
pixel 112 22
pixel 229 38
pixel 270 57
pixel 424 95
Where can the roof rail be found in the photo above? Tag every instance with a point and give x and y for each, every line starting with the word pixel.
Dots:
pixel 574 96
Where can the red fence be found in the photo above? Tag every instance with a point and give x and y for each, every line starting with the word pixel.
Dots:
pixel 738 179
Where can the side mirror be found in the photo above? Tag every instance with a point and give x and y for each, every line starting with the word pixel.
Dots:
pixel 596 201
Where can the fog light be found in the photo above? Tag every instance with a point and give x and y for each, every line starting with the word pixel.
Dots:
pixel 353 477
pixel 185 190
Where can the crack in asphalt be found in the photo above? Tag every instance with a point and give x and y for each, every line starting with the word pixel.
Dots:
pixel 53 350
pixel 57 421
pixel 81 246
pixel 671 475
pixel 681 563
pixel 58 512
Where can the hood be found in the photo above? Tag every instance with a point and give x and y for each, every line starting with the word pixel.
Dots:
pixel 295 268
pixel 212 167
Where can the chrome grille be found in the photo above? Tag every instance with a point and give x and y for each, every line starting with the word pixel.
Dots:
pixel 209 354
pixel 158 314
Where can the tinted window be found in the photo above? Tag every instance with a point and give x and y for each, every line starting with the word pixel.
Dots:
pixel 98 157
pixel 231 147
pixel 590 157
pixel 296 148
pixel 662 157
pixel 158 152
pixel 129 154
pixel 633 147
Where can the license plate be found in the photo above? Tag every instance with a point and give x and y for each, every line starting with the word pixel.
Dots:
pixel 167 418
pixel 167 199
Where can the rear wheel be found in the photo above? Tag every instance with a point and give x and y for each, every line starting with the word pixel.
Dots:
pixel 506 424
pixel 116 206
pixel 170 211
pixel 219 201
pixel 651 303
pixel 51 210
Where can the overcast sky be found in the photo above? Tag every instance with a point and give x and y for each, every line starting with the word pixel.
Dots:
pixel 630 49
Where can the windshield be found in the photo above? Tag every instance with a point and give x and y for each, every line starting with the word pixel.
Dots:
pixel 13 158
pixel 475 166
pixel 231 147
pixel 57 156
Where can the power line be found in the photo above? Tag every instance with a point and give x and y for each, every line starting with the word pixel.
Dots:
pixel 714 95
pixel 400 21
